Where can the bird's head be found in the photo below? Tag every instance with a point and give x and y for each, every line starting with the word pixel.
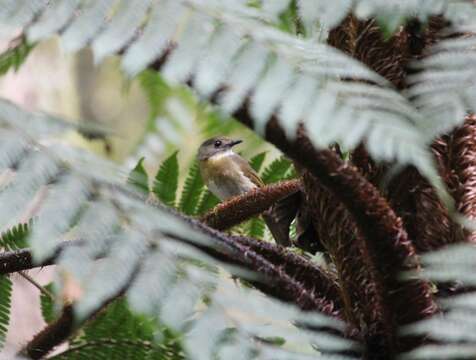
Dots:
pixel 216 145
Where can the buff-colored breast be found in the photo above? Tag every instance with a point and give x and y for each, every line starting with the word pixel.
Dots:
pixel 225 176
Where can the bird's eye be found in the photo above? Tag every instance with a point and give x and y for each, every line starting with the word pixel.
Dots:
pixel 217 143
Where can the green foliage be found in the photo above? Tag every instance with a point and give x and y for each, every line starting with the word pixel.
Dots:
pixel 117 333
pixel 255 228
pixel 166 180
pixel 12 239
pixel 207 202
pixel 15 56
pixel 277 170
pixel 138 177
pixel 5 305
pixel 192 191
pixel 15 237
pixel 156 91
pixel 257 161
pixel 48 304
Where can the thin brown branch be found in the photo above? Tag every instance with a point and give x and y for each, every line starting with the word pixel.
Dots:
pixel 32 281
pixel 240 208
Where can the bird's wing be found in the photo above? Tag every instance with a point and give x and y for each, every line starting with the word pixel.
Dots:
pixel 248 170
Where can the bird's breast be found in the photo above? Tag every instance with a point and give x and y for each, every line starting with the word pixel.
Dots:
pixel 224 177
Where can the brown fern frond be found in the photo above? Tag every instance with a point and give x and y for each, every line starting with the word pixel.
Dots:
pixel 338 234
pixel 240 208
pixel 364 40
pixel 463 163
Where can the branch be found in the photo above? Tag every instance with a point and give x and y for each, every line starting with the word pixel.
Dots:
pixel 107 342
pixel 60 330
pixel 51 336
pixel 243 207
pixel 20 260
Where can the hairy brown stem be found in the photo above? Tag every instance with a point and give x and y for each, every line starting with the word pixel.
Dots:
pixel 389 250
pixel 51 336
pixel 240 208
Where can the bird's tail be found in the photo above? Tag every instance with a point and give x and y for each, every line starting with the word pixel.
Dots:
pixel 279 217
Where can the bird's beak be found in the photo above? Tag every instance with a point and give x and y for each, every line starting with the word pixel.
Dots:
pixel 235 142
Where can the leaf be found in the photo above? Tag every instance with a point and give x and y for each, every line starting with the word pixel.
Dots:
pixel 166 180
pixel 192 191
pixel 5 305
pixel 16 237
pixel 48 305
pixel 138 177
pixel 207 202
pixel 156 90
pixel 257 161
pixel 256 228
pixel 15 56
pixel 276 170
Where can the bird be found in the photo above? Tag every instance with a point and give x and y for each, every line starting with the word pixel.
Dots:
pixel 227 174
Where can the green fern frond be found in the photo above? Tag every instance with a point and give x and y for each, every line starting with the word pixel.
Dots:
pixel 138 177
pixel 277 170
pixel 192 191
pixel 156 90
pixel 256 228
pixel 117 333
pixel 47 304
pixel 207 202
pixel 257 161
pixel 5 306
pixel 14 57
pixel 16 237
pixel 166 180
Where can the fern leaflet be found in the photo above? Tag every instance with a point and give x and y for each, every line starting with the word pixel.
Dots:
pixel 257 161
pixel 47 305
pixel 5 305
pixel 276 170
pixel 192 191
pixel 14 57
pixel 138 177
pixel 166 180
pixel 207 202
pixel 15 237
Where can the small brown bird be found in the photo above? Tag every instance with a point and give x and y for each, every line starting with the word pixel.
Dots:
pixel 227 174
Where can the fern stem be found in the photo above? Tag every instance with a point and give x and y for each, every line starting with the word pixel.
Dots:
pixel 32 281
pixel 105 342
pixel 241 208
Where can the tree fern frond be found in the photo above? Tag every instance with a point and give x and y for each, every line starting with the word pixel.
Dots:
pixel 15 237
pixel 47 304
pixel 14 57
pixel 182 35
pixel 166 180
pixel 276 170
pixel 207 202
pixel 257 161
pixel 5 306
pixel 192 191
pixel 443 88
pixel 121 28
pixel 255 228
pixel 87 24
pixel 138 177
